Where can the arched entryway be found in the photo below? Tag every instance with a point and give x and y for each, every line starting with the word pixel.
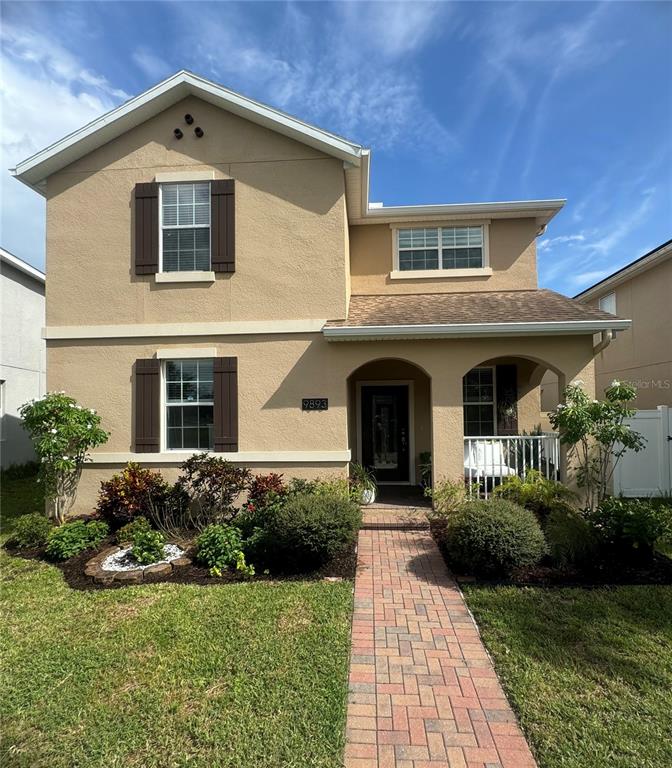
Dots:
pixel 389 420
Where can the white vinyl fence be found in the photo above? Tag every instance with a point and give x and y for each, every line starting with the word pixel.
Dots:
pixel 648 472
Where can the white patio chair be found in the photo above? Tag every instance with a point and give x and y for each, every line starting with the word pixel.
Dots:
pixel 485 459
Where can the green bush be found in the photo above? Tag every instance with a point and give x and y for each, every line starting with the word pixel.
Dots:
pixel 127 532
pixel 148 546
pixel 31 531
pixel 70 539
pixel 570 539
pixel 220 548
pixel 536 493
pixel 213 485
pixel 631 526
pixel 493 537
pixel 305 530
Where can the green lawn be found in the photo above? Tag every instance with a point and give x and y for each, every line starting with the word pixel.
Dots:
pixel 168 675
pixel 589 671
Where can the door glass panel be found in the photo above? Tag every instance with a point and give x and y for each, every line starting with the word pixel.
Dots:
pixel 384 428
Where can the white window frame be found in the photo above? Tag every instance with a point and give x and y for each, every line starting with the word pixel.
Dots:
pixel 609 298
pixel 179 275
pixel 494 401
pixel 164 401
pixel 414 274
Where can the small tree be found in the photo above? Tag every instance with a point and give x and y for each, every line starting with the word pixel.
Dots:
pixel 597 434
pixel 62 432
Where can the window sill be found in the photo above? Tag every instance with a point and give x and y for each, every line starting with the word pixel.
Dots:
pixel 433 274
pixel 184 277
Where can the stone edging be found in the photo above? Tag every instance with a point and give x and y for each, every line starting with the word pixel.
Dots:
pixel 136 576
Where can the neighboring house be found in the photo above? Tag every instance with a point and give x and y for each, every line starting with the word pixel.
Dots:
pixel 22 352
pixel 218 280
pixel 642 355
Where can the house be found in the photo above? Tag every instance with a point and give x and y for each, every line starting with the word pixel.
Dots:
pixel 22 352
pixel 218 280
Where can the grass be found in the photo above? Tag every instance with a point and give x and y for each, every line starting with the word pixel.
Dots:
pixel 588 671
pixel 168 675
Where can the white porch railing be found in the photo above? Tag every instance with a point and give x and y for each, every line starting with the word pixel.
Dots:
pixel 490 459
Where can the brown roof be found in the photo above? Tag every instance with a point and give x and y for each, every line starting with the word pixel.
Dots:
pixel 526 306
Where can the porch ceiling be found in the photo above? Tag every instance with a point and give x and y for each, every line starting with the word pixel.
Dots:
pixel 480 313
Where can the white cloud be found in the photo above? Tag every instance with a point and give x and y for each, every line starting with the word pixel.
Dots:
pixel 586 278
pixel 551 242
pixel 152 65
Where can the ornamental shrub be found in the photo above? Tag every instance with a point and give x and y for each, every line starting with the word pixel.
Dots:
pixel 220 548
pixel 261 486
pixel 148 546
pixel 62 432
pixel 570 539
pixel 127 532
pixel 31 531
pixel 493 537
pixel 130 494
pixel 213 485
pixel 70 539
pixel 536 493
pixel 631 526
pixel 303 531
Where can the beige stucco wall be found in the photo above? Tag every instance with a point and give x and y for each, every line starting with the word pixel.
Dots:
pixel 512 251
pixel 291 230
pixel 275 372
pixel 643 354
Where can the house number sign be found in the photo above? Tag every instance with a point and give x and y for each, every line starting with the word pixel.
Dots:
pixel 315 404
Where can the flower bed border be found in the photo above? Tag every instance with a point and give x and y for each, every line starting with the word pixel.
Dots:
pixel 94 569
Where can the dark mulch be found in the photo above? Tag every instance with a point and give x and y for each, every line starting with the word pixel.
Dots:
pixel 342 567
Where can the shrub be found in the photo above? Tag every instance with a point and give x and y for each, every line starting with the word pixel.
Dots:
pixel 148 546
pixel 305 530
pixel 31 531
pixel 631 526
pixel 220 548
pixel 62 432
pixel 536 493
pixel 493 537
pixel 127 532
pixel 570 538
pixel 262 486
pixel 130 494
pixel 213 485
pixel 70 539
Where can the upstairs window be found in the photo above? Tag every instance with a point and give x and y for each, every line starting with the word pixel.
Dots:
pixel 608 303
pixel 440 248
pixel 185 227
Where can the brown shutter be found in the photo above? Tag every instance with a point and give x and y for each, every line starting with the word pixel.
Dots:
pixel 147 407
pixel 507 400
pixel 226 404
pixel 146 229
pixel 223 225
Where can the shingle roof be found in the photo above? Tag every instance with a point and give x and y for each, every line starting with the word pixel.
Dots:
pixel 524 306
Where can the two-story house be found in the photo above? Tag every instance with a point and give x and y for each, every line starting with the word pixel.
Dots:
pixel 218 280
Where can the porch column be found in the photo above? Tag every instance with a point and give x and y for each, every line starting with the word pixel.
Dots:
pixel 447 424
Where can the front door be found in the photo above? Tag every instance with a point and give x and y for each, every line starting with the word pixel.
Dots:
pixel 385 434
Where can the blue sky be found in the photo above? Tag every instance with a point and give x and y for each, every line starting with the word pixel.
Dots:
pixel 459 102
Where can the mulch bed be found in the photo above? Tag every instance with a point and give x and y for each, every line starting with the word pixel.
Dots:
pixel 341 567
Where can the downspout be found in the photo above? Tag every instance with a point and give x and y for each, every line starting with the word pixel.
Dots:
pixel 607 336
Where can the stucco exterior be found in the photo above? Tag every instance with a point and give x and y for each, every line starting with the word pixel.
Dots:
pixel 22 355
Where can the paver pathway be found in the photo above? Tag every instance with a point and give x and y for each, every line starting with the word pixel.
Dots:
pixel 423 692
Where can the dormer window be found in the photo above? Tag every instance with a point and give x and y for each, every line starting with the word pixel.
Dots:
pixel 185 227
pixel 440 248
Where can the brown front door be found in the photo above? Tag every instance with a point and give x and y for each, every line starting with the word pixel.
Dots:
pixel 385 431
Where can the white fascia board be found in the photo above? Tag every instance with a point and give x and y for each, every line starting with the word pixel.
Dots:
pixel 131 113
pixel 21 265
pixel 542 209
pixel 463 330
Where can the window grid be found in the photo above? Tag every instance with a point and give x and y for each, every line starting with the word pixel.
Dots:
pixel 189 404
pixel 478 396
pixel 440 248
pixel 185 227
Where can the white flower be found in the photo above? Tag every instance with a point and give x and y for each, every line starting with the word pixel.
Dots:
pixel 92 410
pixel 615 383
pixel 66 458
pixel 88 426
pixel 578 383
pixel 53 431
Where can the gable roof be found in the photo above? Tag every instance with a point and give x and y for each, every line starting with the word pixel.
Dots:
pixel 34 170
pixel 648 260
pixel 14 261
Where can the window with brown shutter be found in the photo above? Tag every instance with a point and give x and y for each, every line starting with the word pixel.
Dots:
pixel 147 406
pixel 223 225
pixel 146 244
pixel 226 404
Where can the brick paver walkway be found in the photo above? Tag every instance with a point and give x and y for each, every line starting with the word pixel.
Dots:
pixel 423 692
